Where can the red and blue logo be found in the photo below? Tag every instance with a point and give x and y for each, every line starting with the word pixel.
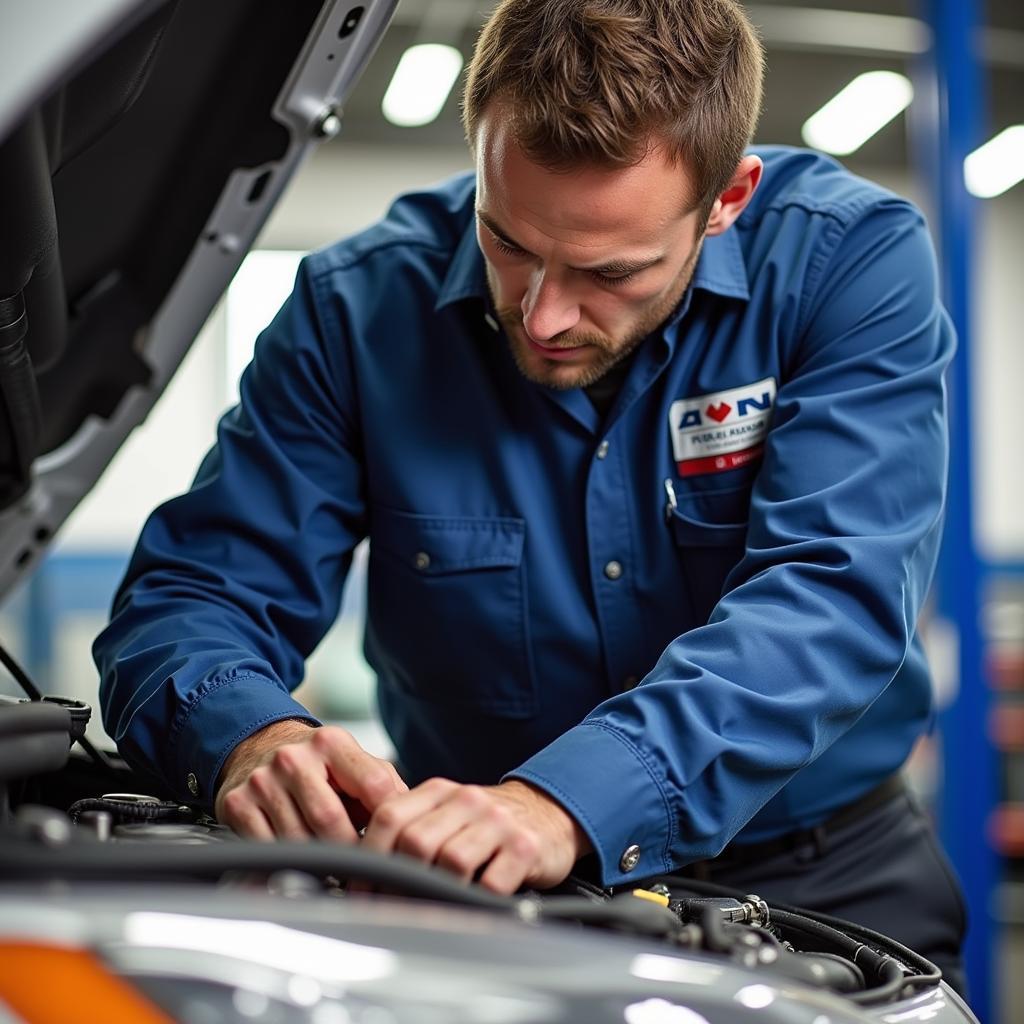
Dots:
pixel 723 430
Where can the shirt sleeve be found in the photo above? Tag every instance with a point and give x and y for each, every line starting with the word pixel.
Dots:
pixel 234 583
pixel 818 616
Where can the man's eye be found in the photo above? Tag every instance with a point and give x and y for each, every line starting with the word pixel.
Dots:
pixel 505 249
pixel 609 280
pixel 613 280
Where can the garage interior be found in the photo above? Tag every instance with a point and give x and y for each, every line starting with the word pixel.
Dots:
pixel 971 772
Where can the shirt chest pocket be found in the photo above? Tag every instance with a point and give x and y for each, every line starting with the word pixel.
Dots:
pixel 447 615
pixel 710 532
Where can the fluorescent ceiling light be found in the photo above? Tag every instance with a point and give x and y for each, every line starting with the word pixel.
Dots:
pixel 998 165
pixel 857 112
pixel 423 79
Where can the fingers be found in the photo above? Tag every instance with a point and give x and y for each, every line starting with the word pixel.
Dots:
pixel 417 822
pixel 295 791
pixel 353 771
pixel 244 816
pixel 303 778
pixel 466 830
pixel 287 799
pixel 512 864
pixel 513 833
pixel 277 804
pixel 463 854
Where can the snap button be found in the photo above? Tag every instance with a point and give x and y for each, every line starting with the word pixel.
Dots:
pixel 422 560
pixel 193 783
pixel 630 858
pixel 602 450
pixel 613 570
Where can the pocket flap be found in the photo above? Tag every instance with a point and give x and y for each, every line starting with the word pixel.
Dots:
pixel 712 518
pixel 435 545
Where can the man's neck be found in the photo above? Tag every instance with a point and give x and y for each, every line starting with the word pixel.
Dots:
pixel 603 392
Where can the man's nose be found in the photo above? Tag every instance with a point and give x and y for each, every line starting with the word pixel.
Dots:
pixel 548 310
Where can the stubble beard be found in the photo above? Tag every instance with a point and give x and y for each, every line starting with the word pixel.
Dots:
pixel 610 352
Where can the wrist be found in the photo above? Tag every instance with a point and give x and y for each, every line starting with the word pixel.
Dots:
pixel 564 822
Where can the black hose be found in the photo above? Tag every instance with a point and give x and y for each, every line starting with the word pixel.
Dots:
pixel 90 861
pixel 872 963
pixel 158 861
pixel 892 980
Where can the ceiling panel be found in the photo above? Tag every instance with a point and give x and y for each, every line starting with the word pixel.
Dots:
pixel 801 76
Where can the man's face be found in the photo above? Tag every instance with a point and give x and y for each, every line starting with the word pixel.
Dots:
pixel 582 264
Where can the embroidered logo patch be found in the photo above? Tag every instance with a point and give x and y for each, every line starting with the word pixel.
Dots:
pixel 720 431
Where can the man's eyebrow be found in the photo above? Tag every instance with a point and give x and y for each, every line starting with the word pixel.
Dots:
pixel 617 266
pixel 492 226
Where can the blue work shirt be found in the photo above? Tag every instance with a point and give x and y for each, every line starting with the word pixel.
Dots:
pixel 689 619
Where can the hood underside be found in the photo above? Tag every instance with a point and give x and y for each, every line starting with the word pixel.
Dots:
pixel 142 147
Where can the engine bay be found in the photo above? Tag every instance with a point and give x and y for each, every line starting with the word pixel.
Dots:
pixel 68 835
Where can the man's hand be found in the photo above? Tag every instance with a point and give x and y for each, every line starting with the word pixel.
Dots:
pixel 294 781
pixel 516 832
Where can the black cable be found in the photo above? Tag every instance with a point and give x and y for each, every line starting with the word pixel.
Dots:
pixel 95 861
pixel 886 965
pixel 31 691
pixel 98 757
pixel 928 974
pixel 124 811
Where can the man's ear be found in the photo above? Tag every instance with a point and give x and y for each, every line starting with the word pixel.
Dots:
pixel 733 200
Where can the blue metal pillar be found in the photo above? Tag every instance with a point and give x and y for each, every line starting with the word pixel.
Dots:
pixel 970 768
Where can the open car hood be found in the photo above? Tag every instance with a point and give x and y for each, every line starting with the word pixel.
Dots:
pixel 143 144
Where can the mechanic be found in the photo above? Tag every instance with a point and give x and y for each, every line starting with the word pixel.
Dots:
pixel 647 432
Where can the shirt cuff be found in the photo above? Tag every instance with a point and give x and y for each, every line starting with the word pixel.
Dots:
pixel 605 782
pixel 208 728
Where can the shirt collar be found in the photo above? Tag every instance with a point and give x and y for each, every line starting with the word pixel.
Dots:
pixel 467 273
pixel 720 269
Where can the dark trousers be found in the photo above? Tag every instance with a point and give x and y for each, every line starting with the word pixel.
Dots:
pixel 885 871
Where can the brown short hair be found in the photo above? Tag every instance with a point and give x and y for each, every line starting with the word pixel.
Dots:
pixel 593 81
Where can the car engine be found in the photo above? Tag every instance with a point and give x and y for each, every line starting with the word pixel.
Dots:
pixel 152 892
